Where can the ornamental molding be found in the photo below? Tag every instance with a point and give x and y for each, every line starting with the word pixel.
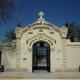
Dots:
pixel 40 37
pixel 64 32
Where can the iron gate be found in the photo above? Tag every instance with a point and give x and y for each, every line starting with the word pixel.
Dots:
pixel 41 56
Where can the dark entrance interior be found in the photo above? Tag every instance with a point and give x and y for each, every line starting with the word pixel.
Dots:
pixel 41 56
pixel 1 66
pixel 0 57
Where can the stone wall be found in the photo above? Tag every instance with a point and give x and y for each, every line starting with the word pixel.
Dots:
pixel 8 55
pixel 73 55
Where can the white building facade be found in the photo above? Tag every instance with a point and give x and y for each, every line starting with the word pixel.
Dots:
pixel 41 46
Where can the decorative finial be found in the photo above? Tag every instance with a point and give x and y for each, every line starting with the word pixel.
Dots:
pixel 41 14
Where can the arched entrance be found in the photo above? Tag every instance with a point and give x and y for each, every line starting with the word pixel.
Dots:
pixel 41 56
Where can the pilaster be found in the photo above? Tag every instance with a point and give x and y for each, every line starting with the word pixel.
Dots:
pixel 64 54
pixel 17 53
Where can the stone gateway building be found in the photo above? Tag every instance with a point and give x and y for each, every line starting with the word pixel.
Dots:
pixel 40 46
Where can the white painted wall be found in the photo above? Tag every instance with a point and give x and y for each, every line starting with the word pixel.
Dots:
pixel 73 55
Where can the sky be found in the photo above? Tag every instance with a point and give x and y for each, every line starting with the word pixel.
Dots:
pixel 55 11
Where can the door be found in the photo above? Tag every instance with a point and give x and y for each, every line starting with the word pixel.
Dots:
pixel 41 56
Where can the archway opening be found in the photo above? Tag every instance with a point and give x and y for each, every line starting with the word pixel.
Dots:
pixel 41 56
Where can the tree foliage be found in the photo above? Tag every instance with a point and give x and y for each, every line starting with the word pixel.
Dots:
pixel 10 35
pixel 73 31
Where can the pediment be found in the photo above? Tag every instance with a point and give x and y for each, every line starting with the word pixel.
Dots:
pixel 40 24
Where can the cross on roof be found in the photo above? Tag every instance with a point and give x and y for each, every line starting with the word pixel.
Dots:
pixel 41 14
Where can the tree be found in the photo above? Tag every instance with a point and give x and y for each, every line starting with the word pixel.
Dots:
pixel 7 7
pixel 19 25
pixel 73 31
pixel 10 35
pixel 78 33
